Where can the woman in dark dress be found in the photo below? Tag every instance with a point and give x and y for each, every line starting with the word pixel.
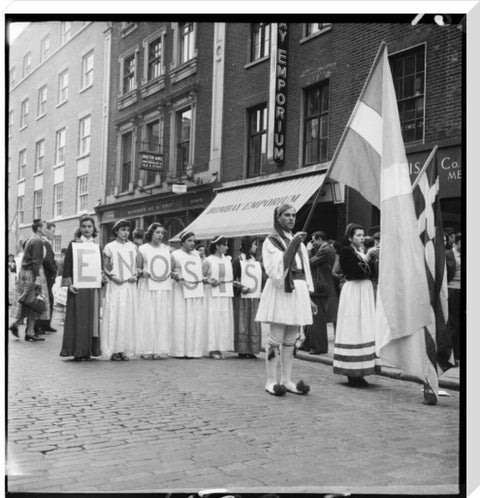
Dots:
pixel 81 336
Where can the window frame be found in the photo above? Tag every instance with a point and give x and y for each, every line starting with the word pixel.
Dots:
pixel 45 47
pixel 59 148
pixel 150 176
pixel 39 159
pixel 58 200
pixel 82 196
pixel 125 186
pixel 84 140
pixel 42 103
pixel 20 208
pixel 178 142
pixel 27 63
pixel 264 43
pixel 188 41
pixel 37 206
pixel 131 75
pixel 22 166
pixel 254 169
pixel 24 110
pixel 57 244
pixel 87 73
pixel 10 123
pixel 63 84
pixel 65 34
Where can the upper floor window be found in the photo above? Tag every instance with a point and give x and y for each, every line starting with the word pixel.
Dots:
pixel 12 77
pixel 42 101
pixel 60 146
pixel 154 59
pixel 129 73
pixel 316 124
pixel 257 140
pixel 187 41
pixel 27 63
pixel 408 71
pixel 87 70
pixel 84 136
pixel 65 31
pixel 126 161
pixel 20 212
pixel 63 87
pixel 39 155
pixel 22 163
pixel 82 193
pixel 183 139
pixel 44 47
pixel 10 124
pixel 151 144
pixel 37 203
pixel 316 27
pixel 24 114
pixel 58 200
pixel 260 41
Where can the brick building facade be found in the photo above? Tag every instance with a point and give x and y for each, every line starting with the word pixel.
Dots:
pixel 56 127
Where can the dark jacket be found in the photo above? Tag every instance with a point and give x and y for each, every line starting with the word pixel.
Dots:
pixel 353 268
pixel 321 265
pixel 451 264
pixel 33 255
pixel 49 264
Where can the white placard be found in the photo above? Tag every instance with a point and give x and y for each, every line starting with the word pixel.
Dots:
pixel 159 267
pixel 222 271
pixel 87 266
pixel 193 278
pixel 251 278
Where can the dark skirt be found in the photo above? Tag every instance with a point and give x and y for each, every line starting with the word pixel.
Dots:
pixel 25 281
pixel 81 332
pixel 316 334
pixel 247 332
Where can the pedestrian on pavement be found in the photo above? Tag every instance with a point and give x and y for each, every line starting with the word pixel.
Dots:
pixel 50 269
pixel 285 302
pixel 354 354
pixel 218 303
pixel 12 278
pixel 138 236
pixel 247 332
pixel 31 277
pixel 332 307
pixel 60 292
pixel 453 261
pixel 154 295
pixel 188 320
pixel 119 339
pixel 322 259
pixel 81 331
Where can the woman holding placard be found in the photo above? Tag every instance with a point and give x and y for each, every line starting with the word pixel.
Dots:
pixel 188 324
pixel 218 273
pixel 247 274
pixel 154 294
pixel 81 336
pixel 119 322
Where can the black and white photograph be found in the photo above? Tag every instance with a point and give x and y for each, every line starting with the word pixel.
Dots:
pixel 234 250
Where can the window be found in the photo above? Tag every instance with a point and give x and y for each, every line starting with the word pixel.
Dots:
pixel 27 63
pixel 408 71
pixel 316 124
pixel 10 124
pixel 20 212
pixel 84 136
pixel 22 163
pixel 62 87
pixel 316 27
pixel 126 158
pixel 39 155
pixel 42 101
pixel 57 244
pixel 152 144
pixel 12 77
pixel 44 47
pixel 65 31
pixel 129 74
pixel 187 41
pixel 82 193
pixel 37 203
pixel 60 146
pixel 24 114
pixel 57 200
pixel 87 70
pixel 154 65
pixel 257 140
pixel 260 41
pixel 183 135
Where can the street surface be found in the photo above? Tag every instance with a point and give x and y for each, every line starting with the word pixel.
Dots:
pixel 186 425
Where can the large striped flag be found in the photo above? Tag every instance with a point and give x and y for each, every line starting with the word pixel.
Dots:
pixel 371 159
pixel 427 207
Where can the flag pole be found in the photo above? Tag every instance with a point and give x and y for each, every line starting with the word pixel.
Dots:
pixel 342 138
pixel 425 166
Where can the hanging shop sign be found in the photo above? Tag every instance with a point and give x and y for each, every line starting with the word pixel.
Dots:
pixel 151 161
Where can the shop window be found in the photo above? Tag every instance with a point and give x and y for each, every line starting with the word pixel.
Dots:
pixel 87 70
pixel 27 64
pixel 44 47
pixel 82 193
pixel 62 87
pixel 37 204
pixel 316 124
pixel 60 146
pixel 24 114
pixel 39 156
pixel 183 139
pixel 408 71
pixel 20 212
pixel 126 161
pixel 84 136
pixel 260 41
pixel 58 200
pixel 42 101
pixel 257 140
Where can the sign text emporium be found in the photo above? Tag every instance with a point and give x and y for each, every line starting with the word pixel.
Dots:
pixel 280 94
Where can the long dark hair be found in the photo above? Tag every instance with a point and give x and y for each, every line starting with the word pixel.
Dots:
pixel 350 232
pixel 151 229
pixel 245 245
pixel 87 217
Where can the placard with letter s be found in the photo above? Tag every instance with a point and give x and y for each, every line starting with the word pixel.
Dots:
pixel 87 265
pixel 193 278
pixel 251 278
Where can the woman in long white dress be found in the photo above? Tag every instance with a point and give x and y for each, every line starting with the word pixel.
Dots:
pixel 154 295
pixel 188 322
pixel 285 303
pixel 119 322
pixel 218 273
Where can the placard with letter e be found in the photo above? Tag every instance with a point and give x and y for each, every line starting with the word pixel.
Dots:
pixel 87 266
pixel 251 278
pixel 158 266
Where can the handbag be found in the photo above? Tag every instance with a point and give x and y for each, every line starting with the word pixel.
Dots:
pixel 33 299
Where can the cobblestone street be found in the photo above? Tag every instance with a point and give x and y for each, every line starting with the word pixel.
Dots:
pixel 186 425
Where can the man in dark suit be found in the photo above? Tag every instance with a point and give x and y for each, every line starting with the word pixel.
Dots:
pixel 50 269
pixel 454 268
pixel 322 259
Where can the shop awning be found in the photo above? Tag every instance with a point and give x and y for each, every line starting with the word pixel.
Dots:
pixel 249 210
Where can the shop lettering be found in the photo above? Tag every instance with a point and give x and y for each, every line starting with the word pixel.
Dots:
pixel 448 164
pixel 276 201
pixel 280 94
